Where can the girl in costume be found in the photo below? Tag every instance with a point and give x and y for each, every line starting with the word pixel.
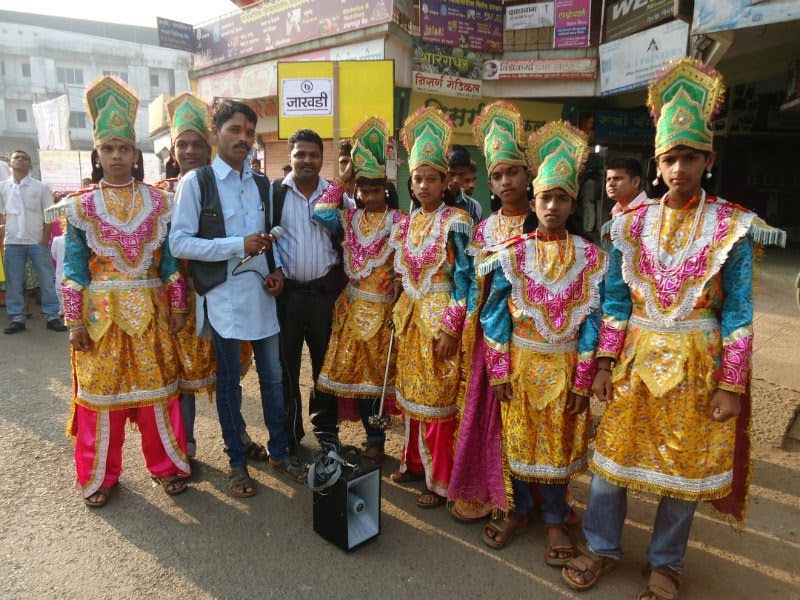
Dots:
pixel 124 300
pixel 477 483
pixel 191 148
pixel 540 323
pixel 675 346
pixel 353 366
pixel 431 261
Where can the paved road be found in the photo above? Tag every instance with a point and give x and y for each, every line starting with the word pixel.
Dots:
pixel 205 544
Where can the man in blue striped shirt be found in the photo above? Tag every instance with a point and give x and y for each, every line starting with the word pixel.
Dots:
pixel 314 278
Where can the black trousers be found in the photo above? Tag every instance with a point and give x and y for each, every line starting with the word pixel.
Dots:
pixel 305 312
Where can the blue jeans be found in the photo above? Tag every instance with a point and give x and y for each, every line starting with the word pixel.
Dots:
pixel 605 516
pixel 368 407
pixel 555 508
pixel 14 257
pixel 229 399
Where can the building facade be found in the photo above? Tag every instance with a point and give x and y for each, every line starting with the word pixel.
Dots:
pixel 44 57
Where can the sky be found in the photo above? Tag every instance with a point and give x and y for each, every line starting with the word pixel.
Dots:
pixel 129 12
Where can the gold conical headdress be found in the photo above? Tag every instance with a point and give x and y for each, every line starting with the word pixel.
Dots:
pixel 369 149
pixel 112 105
pixel 558 152
pixel 498 131
pixel 427 135
pixel 187 112
pixel 683 100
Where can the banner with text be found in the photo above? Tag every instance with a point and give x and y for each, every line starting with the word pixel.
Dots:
pixel 724 15
pixel 625 17
pixel 529 16
pixel 269 25
pixel 176 35
pixel 572 22
pixel 447 71
pixel 463 112
pixel 475 24
pixel 541 68
pixel 633 61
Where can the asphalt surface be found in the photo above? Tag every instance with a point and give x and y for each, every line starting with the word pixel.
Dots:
pixel 205 544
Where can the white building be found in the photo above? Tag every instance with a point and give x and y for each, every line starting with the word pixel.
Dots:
pixel 44 57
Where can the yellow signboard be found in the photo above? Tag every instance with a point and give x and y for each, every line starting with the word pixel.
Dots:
pixel 332 98
pixel 462 111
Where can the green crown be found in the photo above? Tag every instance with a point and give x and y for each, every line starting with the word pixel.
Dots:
pixel 498 129
pixel 426 136
pixel 558 152
pixel 112 106
pixel 187 112
pixel 683 100
pixel 369 149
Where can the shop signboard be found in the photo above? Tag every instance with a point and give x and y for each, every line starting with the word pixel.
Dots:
pixel 624 126
pixel 475 24
pixel 463 111
pixel 624 17
pixel 724 15
pixel 261 80
pixel 572 23
pixel 540 68
pixel 447 71
pixel 332 98
pixel 176 35
pixel 269 25
pixel 529 16
pixel 633 61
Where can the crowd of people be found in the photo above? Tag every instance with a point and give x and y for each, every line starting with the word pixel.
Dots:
pixel 496 331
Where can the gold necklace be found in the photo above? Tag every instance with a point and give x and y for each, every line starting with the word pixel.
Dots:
pixel 378 229
pixel 562 262
pixel 682 255
pixel 132 203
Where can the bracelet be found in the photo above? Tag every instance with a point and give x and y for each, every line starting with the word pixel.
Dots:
pixel 603 369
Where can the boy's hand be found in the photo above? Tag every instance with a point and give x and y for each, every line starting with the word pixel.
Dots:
pixel 502 392
pixel 724 405
pixel 576 404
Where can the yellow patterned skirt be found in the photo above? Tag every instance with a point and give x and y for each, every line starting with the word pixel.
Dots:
pixel 543 443
pixel 126 371
pixel 356 358
pixel 197 366
pixel 655 434
pixel 426 386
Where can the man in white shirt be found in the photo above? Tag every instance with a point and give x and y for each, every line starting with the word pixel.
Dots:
pixel 5 169
pixel 216 235
pixel 314 279
pixel 23 201
pixel 623 184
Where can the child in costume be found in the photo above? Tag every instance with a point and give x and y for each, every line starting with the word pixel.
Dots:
pixel 540 322
pixel 354 365
pixel 477 483
pixel 124 300
pixel 675 346
pixel 431 261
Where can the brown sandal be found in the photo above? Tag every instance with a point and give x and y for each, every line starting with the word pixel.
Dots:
pixel 558 561
pixel 406 476
pixel 506 527
pixel 587 563
pixel 664 584
pixel 374 453
pixel 239 482
pixel 288 467
pixel 102 492
pixel 172 484
pixel 437 499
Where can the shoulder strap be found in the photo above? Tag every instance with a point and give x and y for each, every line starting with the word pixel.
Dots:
pixel 278 199
pixel 265 192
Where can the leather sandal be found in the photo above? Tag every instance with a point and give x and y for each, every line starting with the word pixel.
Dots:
pixel 172 484
pixel 407 476
pixel 101 497
pixel 663 584
pixel 557 561
pixel 238 483
pixel 505 528
pixel 587 563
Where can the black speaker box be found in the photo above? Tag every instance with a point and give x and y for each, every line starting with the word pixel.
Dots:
pixel 349 514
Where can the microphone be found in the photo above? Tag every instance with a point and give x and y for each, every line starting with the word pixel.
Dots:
pixel 275 233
